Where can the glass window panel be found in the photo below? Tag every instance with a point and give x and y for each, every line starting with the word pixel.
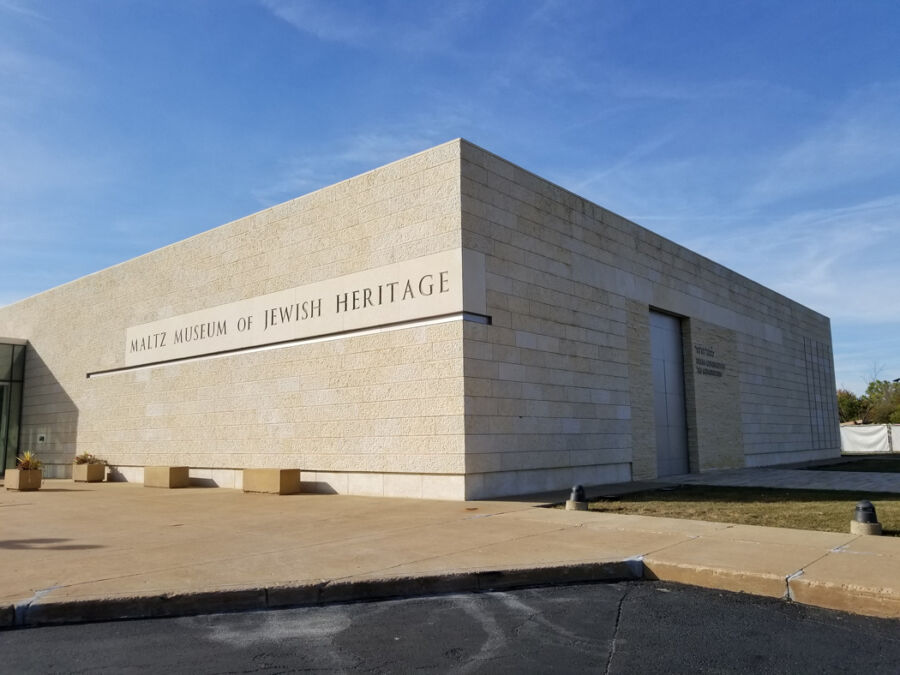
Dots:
pixel 4 407
pixel 5 361
pixel 15 415
pixel 18 365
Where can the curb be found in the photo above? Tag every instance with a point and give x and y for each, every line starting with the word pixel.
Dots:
pixel 49 613
pixel 855 599
pixel 7 616
pixel 723 579
pixel 868 601
pixel 864 600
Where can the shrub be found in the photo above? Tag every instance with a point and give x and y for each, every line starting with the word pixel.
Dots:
pixel 88 458
pixel 29 461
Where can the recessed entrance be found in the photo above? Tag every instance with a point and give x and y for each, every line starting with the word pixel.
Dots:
pixel 668 395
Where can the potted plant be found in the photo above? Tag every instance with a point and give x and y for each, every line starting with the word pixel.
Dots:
pixel 88 468
pixel 27 475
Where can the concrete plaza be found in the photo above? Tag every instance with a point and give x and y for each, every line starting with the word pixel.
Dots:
pixel 77 551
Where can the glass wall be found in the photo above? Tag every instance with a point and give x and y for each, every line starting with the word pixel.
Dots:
pixel 12 376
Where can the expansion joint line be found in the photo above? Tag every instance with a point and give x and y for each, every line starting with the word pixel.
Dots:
pixel 21 608
pixel 799 573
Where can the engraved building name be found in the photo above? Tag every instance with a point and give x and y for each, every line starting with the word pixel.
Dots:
pixel 429 286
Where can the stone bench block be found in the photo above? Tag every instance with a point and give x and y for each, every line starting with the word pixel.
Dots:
pixel 88 473
pixel 166 476
pixel 273 481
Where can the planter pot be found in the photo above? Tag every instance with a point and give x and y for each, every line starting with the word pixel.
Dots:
pixel 88 473
pixel 23 479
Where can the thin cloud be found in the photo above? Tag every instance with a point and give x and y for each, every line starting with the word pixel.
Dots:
pixel 631 158
pixel 36 166
pixel 34 83
pixel 679 197
pixel 294 177
pixel 28 79
pixel 366 25
pixel 362 152
pixel 21 9
pixel 325 22
pixel 840 262
pixel 374 149
pixel 858 142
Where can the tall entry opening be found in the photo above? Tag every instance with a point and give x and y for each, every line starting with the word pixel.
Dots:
pixel 12 376
pixel 668 395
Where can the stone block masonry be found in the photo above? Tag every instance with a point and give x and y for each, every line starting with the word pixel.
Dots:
pixel 559 388
pixel 518 361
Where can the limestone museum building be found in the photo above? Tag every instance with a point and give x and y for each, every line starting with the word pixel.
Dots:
pixel 447 326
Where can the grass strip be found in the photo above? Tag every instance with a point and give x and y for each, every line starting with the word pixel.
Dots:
pixel 823 510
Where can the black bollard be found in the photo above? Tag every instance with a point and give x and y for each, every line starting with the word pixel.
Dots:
pixel 865 512
pixel 865 520
pixel 577 500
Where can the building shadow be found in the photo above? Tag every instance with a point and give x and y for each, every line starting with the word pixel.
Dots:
pixel 114 475
pixel 45 544
pixel 49 426
pixel 204 482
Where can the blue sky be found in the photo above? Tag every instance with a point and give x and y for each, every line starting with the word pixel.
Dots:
pixel 765 135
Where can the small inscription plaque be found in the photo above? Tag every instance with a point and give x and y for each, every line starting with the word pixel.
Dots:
pixel 434 285
pixel 705 363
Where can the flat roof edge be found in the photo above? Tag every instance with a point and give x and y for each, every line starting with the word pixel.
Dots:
pixel 457 140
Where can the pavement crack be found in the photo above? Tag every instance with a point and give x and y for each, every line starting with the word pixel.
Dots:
pixel 615 638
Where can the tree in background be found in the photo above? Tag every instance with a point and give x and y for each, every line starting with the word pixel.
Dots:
pixel 883 399
pixel 879 405
pixel 850 406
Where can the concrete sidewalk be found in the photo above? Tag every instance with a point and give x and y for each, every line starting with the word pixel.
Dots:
pixel 75 552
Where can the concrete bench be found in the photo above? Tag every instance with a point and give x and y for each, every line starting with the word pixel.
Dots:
pixel 88 473
pixel 272 481
pixel 166 476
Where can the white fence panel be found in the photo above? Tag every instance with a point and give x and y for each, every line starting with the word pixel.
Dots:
pixel 870 438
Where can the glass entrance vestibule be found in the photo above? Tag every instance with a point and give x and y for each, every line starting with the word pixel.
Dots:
pixel 12 376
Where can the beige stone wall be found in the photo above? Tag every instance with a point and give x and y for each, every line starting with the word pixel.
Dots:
pixel 556 388
pixel 547 390
pixel 377 405
pixel 713 396
pixel 788 404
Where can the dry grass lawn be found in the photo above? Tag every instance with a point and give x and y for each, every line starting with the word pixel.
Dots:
pixel 824 510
